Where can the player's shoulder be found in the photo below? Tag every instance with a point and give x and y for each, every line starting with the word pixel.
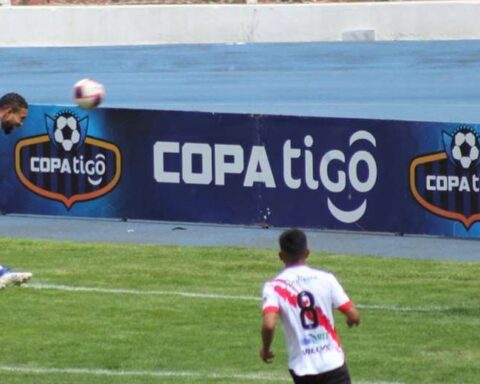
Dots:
pixel 283 277
pixel 304 271
pixel 325 274
pixel 322 271
pixel 273 280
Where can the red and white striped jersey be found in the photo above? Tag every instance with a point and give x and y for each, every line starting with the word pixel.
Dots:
pixel 305 298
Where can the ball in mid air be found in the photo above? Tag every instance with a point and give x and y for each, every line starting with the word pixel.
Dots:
pixel 88 93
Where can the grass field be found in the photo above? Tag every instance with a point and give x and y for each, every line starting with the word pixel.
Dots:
pixel 151 314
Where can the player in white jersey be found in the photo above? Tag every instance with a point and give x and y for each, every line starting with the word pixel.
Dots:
pixel 305 299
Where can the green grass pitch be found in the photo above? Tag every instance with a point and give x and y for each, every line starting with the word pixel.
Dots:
pixel 135 322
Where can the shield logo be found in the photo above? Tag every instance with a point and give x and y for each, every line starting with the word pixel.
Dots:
pixel 447 183
pixel 66 165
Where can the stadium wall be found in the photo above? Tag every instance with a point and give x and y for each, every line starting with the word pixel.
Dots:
pixel 329 173
pixel 165 24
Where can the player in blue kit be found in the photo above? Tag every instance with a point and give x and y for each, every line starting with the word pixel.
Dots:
pixel 13 111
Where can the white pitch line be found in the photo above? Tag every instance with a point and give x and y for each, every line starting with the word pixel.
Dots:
pixel 215 296
pixel 190 374
pixel 121 291
pixel 111 372
pixel 394 308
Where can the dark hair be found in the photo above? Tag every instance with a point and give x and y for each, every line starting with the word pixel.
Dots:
pixel 293 244
pixel 14 101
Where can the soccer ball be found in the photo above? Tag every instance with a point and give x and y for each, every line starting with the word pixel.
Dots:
pixel 88 94
pixel 66 131
pixel 465 148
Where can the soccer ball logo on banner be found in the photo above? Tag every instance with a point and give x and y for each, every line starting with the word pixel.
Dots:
pixel 66 130
pixel 464 148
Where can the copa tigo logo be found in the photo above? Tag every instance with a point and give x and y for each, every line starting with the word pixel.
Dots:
pixel 333 171
pixel 447 183
pixel 66 164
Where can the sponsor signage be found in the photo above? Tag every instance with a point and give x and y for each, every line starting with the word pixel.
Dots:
pixel 345 174
pixel 446 183
pixel 66 164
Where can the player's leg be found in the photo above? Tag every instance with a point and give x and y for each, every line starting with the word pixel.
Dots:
pixel 9 277
pixel 308 379
pixel 336 376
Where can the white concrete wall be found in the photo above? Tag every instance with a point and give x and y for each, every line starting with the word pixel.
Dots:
pixel 117 25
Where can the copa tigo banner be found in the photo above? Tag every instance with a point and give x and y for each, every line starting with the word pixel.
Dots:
pixel 329 173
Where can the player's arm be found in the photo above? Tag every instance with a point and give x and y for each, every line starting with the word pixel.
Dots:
pixel 268 331
pixel 351 313
pixel 343 303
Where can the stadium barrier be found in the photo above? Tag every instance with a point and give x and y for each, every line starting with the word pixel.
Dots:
pixel 240 23
pixel 329 173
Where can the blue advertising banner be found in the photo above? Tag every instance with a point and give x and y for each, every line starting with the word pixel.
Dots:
pixel 346 174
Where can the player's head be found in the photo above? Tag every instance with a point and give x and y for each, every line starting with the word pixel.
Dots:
pixel 13 110
pixel 293 246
